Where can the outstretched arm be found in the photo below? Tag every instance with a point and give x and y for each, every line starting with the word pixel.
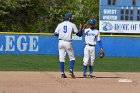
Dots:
pixel 80 33
pixel 100 44
pixel 101 53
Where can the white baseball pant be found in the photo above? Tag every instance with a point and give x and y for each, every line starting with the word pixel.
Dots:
pixel 89 55
pixel 65 46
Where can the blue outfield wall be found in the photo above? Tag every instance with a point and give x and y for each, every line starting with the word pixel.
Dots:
pixel 48 44
pixel 122 46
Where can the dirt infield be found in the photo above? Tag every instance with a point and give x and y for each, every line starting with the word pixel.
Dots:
pixel 50 82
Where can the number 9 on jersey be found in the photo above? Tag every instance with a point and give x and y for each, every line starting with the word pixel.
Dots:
pixel 65 29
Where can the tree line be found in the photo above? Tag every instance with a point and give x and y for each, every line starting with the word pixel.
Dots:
pixel 44 15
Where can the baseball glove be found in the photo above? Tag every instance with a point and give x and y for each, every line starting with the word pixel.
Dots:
pixel 101 53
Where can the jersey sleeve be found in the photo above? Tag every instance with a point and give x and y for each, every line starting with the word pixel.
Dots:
pixel 75 28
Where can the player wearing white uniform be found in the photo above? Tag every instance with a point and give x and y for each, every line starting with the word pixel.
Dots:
pixel 92 36
pixel 64 32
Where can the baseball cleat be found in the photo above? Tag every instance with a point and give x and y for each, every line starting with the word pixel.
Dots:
pixel 91 76
pixel 63 76
pixel 71 74
pixel 84 75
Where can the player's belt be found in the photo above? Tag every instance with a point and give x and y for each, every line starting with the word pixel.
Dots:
pixel 90 45
pixel 65 40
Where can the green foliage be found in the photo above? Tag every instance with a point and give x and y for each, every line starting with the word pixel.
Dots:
pixel 15 14
pixel 44 15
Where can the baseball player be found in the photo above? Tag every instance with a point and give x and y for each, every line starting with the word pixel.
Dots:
pixel 64 32
pixel 92 36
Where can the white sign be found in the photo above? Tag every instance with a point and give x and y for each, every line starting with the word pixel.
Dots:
pixel 119 26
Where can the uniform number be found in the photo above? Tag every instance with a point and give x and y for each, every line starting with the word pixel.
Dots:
pixel 65 29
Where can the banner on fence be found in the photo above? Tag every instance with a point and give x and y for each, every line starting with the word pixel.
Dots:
pixel 32 44
pixel 120 27
pixel 48 44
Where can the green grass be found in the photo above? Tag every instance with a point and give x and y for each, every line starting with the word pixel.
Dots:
pixel 50 63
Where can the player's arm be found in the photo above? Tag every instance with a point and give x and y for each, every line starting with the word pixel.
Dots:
pixel 100 44
pixel 99 41
pixel 79 32
pixel 101 53
pixel 76 30
pixel 56 33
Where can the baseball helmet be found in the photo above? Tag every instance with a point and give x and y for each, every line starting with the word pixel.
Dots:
pixel 91 21
pixel 68 15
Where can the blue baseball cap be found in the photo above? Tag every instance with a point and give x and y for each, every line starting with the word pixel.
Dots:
pixel 91 21
pixel 68 15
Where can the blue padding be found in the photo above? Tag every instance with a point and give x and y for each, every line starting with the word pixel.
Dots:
pixel 44 44
pixel 121 46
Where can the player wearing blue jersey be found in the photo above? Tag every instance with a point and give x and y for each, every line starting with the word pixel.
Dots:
pixel 64 32
pixel 92 36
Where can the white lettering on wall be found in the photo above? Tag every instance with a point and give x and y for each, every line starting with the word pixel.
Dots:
pixel 21 45
pixel 9 43
pixel 33 43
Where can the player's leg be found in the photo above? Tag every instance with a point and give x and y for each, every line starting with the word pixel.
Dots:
pixel 62 54
pixel 70 52
pixel 85 60
pixel 92 59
